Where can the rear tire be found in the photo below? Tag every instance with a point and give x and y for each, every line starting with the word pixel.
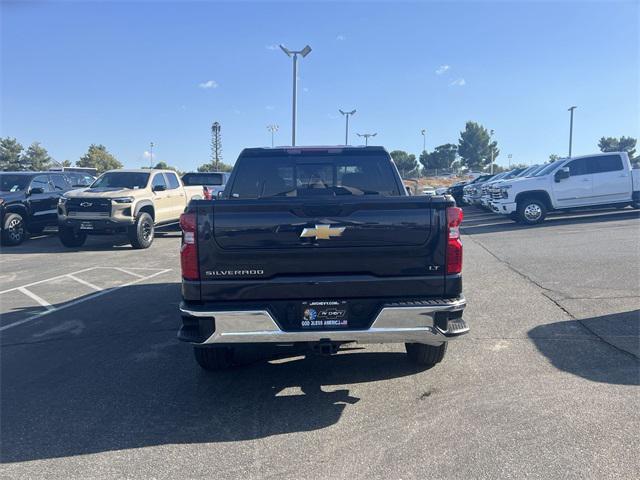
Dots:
pixel 141 234
pixel 214 358
pixel 425 355
pixel 71 238
pixel 531 211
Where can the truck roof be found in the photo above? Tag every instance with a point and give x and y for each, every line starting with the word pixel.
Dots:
pixel 331 149
pixel 139 170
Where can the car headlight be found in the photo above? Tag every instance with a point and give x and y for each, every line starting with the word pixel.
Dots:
pixel 122 200
pixel 62 200
pixel 504 191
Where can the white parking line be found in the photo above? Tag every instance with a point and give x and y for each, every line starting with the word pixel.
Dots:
pixel 129 272
pixel 35 297
pixel 47 280
pixel 51 308
pixel 84 282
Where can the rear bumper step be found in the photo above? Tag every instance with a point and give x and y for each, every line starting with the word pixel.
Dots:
pixel 412 322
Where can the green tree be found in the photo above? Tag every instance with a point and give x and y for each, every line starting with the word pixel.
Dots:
pixel 37 158
pixel 553 157
pixel 209 167
pixel 66 163
pixel 475 147
pixel 99 158
pixel 622 144
pixel 440 159
pixel 11 155
pixel 406 163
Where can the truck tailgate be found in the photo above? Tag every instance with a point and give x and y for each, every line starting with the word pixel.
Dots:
pixel 295 247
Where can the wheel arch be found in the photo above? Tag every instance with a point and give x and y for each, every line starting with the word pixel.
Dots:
pixel 145 206
pixel 19 209
pixel 541 195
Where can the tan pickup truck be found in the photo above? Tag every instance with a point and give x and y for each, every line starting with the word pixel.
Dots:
pixel 132 202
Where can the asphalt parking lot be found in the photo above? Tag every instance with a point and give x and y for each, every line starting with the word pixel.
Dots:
pixel 94 383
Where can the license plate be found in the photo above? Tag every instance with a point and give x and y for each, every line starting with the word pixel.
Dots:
pixel 86 226
pixel 325 314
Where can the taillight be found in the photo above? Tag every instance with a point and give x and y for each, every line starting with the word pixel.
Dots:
pixel 189 249
pixel 206 193
pixel 454 245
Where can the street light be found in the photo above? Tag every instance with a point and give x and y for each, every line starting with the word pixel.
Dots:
pixel 304 52
pixel 571 109
pixel 423 132
pixel 366 137
pixel 346 132
pixel 151 155
pixel 491 135
pixel 273 129
pixel 509 157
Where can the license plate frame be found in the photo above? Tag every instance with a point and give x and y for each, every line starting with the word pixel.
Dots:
pixel 86 226
pixel 324 314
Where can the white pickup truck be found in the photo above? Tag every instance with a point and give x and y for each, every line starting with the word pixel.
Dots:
pixel 592 180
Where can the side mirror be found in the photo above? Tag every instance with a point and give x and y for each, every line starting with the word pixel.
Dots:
pixel 562 174
pixel 36 190
pixel 159 188
pixel 220 193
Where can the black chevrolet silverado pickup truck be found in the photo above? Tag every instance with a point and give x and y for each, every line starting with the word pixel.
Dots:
pixel 320 247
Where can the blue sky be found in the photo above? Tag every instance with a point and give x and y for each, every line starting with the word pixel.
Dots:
pixel 124 74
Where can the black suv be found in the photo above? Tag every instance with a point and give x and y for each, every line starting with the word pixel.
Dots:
pixel 29 201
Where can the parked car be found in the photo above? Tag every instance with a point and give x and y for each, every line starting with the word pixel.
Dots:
pixel 28 202
pixel 485 198
pixel 320 247
pixel 473 191
pixel 592 180
pixel 212 183
pixel 122 201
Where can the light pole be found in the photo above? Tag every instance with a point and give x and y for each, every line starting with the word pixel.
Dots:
pixel 151 155
pixel 346 132
pixel 571 109
pixel 273 129
pixel 490 136
pixel 366 137
pixel 423 132
pixel 509 157
pixel 304 52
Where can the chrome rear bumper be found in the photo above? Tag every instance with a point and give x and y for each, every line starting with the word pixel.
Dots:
pixel 412 322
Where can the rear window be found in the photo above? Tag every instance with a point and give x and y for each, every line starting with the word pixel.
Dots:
pixel 203 179
pixel 288 176
pixel 606 163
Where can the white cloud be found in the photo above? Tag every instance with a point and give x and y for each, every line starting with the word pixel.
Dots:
pixel 146 154
pixel 458 82
pixel 442 69
pixel 270 107
pixel 341 37
pixel 273 46
pixel 208 84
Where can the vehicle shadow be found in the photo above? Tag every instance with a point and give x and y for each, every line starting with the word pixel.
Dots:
pixel 577 354
pixel 124 381
pixel 478 221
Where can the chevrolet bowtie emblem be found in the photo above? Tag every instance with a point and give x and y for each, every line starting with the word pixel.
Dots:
pixel 86 204
pixel 322 232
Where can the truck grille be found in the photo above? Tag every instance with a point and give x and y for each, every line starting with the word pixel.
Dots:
pixel 496 194
pixel 78 206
